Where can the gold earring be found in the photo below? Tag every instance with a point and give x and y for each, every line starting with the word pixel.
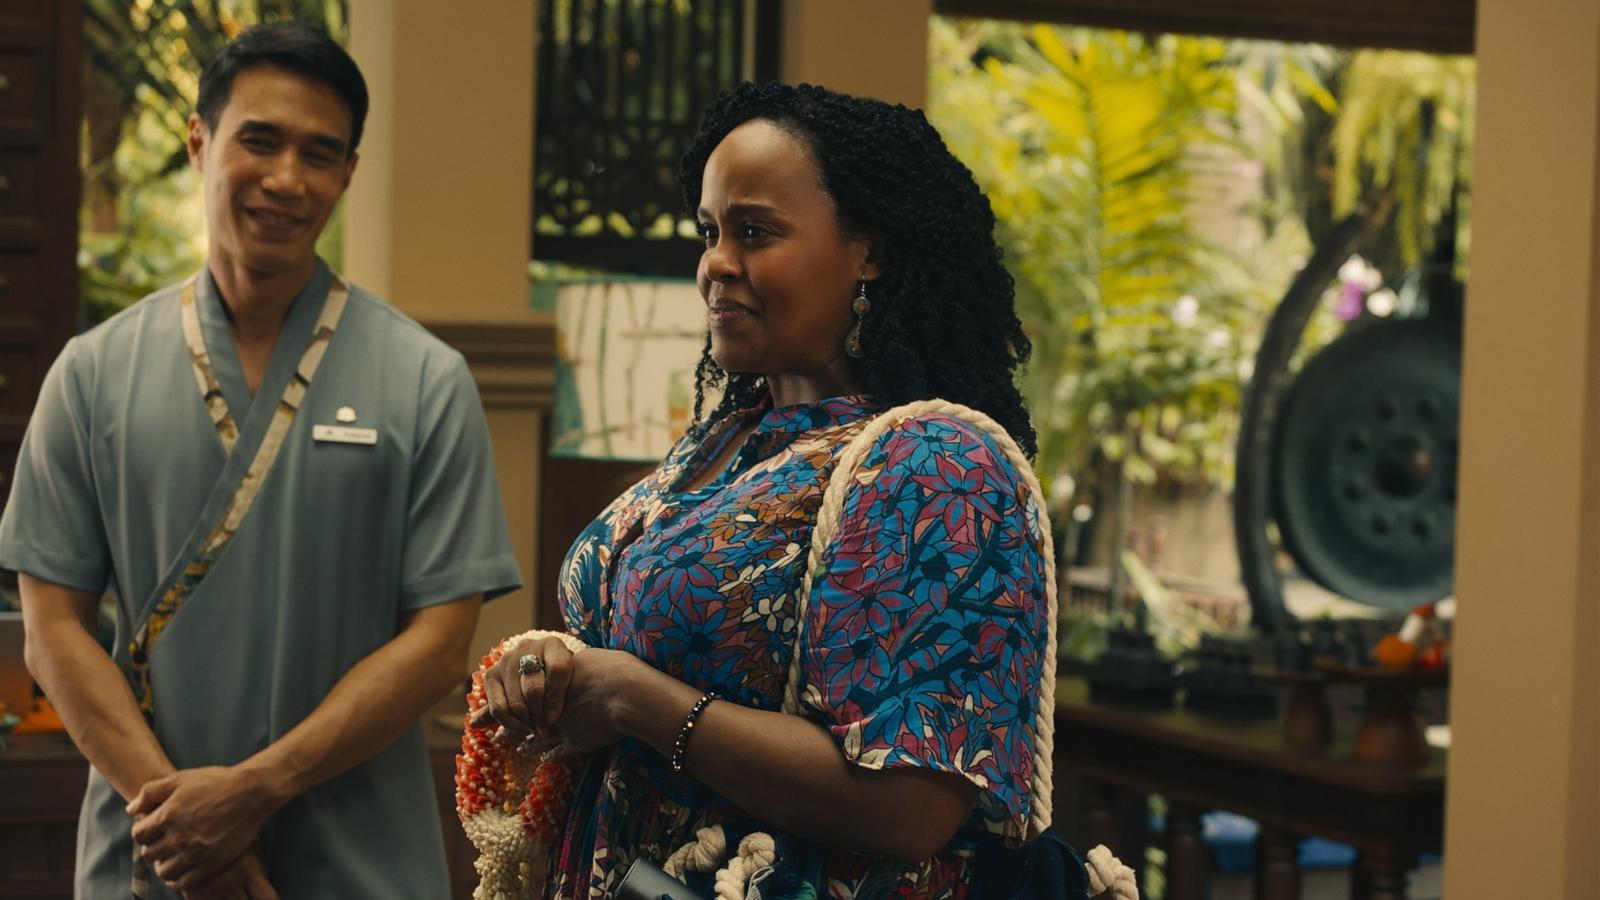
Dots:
pixel 860 306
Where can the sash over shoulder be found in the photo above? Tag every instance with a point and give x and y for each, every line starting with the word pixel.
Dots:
pixel 234 492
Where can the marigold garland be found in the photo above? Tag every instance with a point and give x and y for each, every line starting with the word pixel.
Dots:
pixel 511 805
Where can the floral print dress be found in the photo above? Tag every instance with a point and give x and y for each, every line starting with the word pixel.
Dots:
pixel 921 647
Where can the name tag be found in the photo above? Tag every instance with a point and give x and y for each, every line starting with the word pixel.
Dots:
pixel 344 434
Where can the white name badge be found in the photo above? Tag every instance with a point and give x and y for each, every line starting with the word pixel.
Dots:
pixel 344 434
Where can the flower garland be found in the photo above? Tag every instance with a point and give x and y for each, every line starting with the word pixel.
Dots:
pixel 1421 642
pixel 511 805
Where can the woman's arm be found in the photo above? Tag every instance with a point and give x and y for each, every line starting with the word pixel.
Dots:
pixel 779 768
pixel 785 769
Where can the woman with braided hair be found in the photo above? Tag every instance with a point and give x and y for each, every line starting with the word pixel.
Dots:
pixel 816 645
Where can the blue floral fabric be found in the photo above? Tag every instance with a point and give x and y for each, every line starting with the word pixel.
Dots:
pixel 921 646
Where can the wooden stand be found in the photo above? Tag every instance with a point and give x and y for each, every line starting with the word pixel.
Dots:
pixel 1391 731
pixel 1307 720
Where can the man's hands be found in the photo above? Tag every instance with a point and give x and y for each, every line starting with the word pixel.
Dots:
pixel 194 824
pixel 245 879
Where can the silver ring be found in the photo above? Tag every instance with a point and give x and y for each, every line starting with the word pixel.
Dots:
pixel 529 665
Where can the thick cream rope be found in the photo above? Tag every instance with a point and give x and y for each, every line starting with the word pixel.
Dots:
pixel 756 852
pixel 827 528
pixel 699 855
pixel 1107 875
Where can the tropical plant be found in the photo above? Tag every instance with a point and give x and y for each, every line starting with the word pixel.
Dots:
pixel 1107 157
pixel 1095 174
pixel 1404 128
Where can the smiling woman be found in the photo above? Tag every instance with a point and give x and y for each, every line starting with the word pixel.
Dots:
pixel 779 272
pixel 889 214
pixel 859 720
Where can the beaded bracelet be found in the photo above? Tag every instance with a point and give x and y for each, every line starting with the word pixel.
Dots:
pixel 680 746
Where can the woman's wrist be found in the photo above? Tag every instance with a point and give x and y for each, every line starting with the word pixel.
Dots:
pixel 649 705
pixel 680 744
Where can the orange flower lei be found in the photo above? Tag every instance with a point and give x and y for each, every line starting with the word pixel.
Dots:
pixel 511 805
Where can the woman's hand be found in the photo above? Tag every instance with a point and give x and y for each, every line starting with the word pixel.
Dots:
pixel 600 682
pixel 527 700
pixel 572 703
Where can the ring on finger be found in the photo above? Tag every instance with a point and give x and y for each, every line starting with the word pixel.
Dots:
pixel 529 665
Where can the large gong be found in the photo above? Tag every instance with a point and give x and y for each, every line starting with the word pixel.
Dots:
pixel 1353 457
pixel 1364 463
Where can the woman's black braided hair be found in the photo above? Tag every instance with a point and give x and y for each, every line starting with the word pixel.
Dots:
pixel 943 320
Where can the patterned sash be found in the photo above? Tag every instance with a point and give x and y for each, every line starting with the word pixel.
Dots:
pixel 204 555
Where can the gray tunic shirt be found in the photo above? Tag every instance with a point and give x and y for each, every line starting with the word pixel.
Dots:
pixel 120 464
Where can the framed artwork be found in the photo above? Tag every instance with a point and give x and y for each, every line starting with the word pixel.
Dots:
pixel 626 350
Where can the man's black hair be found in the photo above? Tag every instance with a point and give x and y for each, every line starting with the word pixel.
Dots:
pixel 297 47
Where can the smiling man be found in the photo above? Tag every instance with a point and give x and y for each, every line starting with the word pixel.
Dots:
pixel 288 487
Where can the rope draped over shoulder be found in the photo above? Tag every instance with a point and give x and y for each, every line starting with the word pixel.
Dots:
pixel 831 515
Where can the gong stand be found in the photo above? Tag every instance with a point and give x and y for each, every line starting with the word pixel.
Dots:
pixel 1252 501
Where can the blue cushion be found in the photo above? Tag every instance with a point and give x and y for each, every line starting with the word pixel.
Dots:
pixel 1232 840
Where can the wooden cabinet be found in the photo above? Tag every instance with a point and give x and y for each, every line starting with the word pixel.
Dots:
pixel 42 777
pixel 41 789
pixel 41 100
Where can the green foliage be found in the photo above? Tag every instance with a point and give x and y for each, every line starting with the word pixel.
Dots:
pixel 142 223
pixel 1406 127
pixel 1096 173
pixel 1155 195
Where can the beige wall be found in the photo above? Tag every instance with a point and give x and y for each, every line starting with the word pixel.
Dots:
pixel 438 216
pixel 877 48
pixel 1523 810
pixel 437 220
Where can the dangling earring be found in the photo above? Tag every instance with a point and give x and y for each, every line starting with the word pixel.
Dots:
pixel 859 306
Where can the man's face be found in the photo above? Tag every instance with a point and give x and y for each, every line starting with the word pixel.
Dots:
pixel 277 162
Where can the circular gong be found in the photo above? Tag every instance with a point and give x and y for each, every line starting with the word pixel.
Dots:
pixel 1364 464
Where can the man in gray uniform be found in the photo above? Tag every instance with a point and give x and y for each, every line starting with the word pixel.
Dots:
pixel 288 486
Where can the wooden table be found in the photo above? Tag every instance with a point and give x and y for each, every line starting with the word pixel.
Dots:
pixel 1201 762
